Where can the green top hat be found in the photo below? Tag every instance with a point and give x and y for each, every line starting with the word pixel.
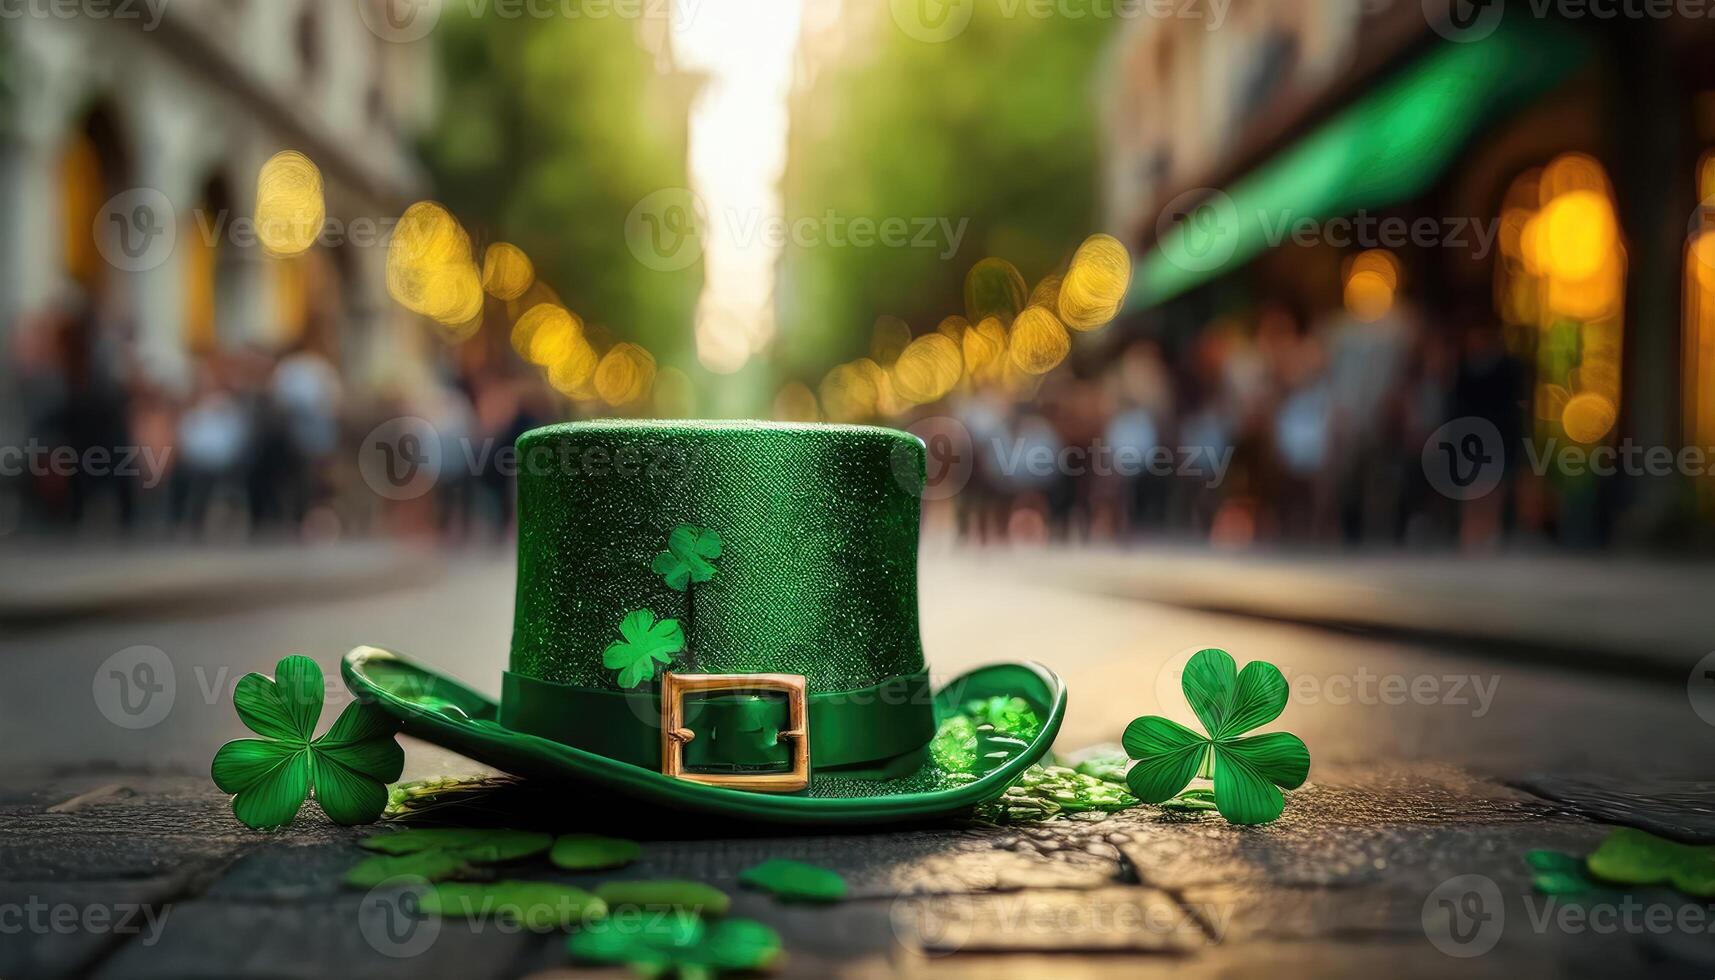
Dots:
pixel 724 615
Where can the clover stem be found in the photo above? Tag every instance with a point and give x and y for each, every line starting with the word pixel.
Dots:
pixel 1206 768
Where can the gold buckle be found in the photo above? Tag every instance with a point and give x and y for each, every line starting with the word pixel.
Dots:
pixel 674 734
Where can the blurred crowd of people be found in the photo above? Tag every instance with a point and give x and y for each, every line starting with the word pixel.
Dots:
pixel 1267 428
pixel 1263 429
pixel 260 443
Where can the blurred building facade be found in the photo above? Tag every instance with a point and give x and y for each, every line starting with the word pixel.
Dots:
pixel 188 99
pixel 140 315
pixel 1362 221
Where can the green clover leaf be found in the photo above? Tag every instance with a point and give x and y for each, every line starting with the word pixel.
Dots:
pixel 593 852
pixel 646 643
pixel 680 944
pixel 795 881
pixel 348 768
pixel 691 897
pixel 1246 770
pixel 687 559
pixel 1635 857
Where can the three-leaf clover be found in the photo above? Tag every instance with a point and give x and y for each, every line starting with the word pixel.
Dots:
pixel 645 644
pixel 348 768
pixel 1246 770
pixel 687 559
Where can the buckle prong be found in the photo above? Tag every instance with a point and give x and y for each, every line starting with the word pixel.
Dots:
pixel 675 736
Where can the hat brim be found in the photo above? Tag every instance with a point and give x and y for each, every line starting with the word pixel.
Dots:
pixel 438 709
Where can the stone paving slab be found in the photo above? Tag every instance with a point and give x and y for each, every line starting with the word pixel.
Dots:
pixel 1351 881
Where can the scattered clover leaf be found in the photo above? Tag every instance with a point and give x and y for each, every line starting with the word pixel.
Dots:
pixel 348 768
pixel 1044 792
pixel 474 844
pixel 685 896
pixel 593 852
pixel 795 881
pixel 1246 770
pixel 687 558
pixel 1106 762
pixel 645 644
pixel 539 906
pixel 1561 875
pixel 442 792
pixel 428 865
pixel 680 944
pixel 1634 857
pixel 1009 715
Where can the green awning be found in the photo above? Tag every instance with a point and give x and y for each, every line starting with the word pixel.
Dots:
pixel 1388 147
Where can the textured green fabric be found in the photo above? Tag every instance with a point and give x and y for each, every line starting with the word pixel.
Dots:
pixel 734 731
pixel 818 573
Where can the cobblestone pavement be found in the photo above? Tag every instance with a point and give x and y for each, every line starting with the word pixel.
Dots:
pixel 1404 853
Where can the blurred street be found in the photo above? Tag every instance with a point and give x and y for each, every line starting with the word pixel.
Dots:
pixel 1418 748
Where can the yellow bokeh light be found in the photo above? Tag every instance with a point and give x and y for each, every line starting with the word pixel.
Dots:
pixel 1703 258
pixel 796 403
pixel 1587 417
pixel 290 207
pixel 994 288
pixel 1039 341
pixel 1096 284
pixel 546 334
pixel 984 349
pixel 571 374
pixel 1379 262
pixel 888 339
pixel 507 272
pixel 1368 297
pixel 429 266
pixel 928 369
pixel 1047 292
pixel 1571 173
pixel 953 328
pixel 626 374
pixel 850 392
pixel 1578 235
pixel 1513 222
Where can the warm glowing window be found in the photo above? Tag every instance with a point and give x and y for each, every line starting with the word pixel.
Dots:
pixel 1562 274
pixel 199 259
pixel 1699 359
pixel 291 298
pixel 81 190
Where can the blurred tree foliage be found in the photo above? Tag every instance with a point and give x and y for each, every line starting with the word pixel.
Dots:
pixel 551 131
pixel 997 125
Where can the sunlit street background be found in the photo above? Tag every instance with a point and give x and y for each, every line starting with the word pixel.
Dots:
pixel 1372 338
